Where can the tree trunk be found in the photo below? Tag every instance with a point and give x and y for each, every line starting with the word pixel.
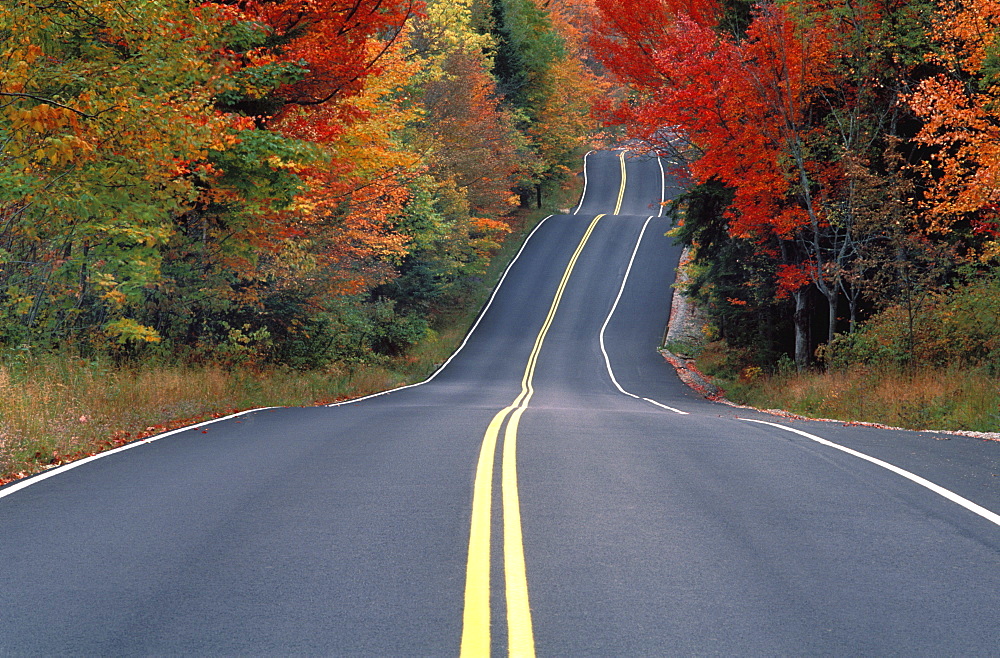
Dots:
pixel 831 329
pixel 852 299
pixel 801 320
pixel 832 297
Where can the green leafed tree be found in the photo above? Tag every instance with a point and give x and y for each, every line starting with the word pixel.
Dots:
pixel 103 109
pixel 546 85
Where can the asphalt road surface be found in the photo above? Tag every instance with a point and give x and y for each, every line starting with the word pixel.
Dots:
pixel 553 489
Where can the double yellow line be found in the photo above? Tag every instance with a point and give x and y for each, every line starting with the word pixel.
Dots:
pixel 477 613
pixel 476 618
pixel 621 189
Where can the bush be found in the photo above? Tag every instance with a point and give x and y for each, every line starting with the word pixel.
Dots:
pixel 957 327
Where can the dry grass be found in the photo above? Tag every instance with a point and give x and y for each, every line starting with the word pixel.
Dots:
pixel 56 409
pixel 942 399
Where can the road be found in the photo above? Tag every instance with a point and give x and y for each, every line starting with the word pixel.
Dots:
pixel 553 489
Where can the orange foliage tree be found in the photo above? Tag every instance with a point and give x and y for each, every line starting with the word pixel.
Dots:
pixel 959 107
pixel 290 179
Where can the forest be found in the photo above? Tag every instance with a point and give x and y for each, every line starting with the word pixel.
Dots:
pixel 290 181
pixel 312 185
pixel 843 160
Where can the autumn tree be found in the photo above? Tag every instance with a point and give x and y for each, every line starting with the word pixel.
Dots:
pixel 712 86
pixel 786 105
pixel 465 133
pixel 299 180
pixel 106 120
pixel 960 113
pixel 546 85
pixel 151 160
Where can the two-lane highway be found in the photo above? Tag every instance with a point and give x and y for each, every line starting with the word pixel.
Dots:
pixel 553 489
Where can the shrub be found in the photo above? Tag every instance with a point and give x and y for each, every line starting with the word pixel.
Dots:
pixel 960 326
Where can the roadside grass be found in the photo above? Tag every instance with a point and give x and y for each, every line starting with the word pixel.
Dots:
pixel 954 398
pixel 938 399
pixel 55 408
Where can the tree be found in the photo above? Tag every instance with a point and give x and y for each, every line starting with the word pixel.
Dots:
pixel 960 113
pixel 787 105
pixel 465 134
pixel 546 86
pixel 308 52
pixel 714 86
pixel 103 110
pixel 308 175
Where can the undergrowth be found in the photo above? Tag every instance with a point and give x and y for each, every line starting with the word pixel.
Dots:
pixel 934 365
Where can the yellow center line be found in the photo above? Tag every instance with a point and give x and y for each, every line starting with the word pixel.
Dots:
pixel 520 633
pixel 476 615
pixel 621 189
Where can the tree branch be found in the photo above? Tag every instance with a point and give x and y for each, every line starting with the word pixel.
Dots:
pixel 49 101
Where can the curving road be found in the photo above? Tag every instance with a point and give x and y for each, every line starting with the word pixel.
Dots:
pixel 554 488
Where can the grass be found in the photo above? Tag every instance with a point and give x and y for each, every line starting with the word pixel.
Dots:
pixel 939 399
pixel 56 408
pixel 924 398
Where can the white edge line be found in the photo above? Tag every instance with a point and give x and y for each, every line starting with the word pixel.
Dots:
pixel 35 479
pixel 941 491
pixel 660 404
pixel 604 351
pixel 479 319
pixel 583 194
